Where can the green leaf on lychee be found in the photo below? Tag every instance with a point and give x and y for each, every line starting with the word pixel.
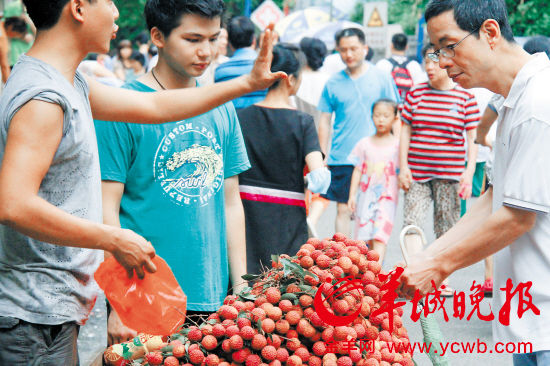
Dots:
pixel 250 277
pixel 243 314
pixel 167 349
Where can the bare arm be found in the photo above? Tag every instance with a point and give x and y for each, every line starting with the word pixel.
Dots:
pixel 405 175
pixel 112 104
pixel 324 131
pixel 465 246
pixel 355 179
pixel 236 237
pixel 468 175
pixel 314 160
pixel 112 192
pixel 33 138
pixel 4 49
pixel 487 120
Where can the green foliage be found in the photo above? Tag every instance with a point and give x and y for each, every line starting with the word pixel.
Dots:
pixel 358 13
pixel 529 18
pixel 131 20
pixel 406 12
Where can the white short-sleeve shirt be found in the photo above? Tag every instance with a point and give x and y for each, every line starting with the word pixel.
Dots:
pixel 522 180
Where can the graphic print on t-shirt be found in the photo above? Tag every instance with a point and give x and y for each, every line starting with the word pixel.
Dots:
pixel 189 164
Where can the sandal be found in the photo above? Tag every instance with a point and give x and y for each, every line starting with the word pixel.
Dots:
pixel 446 291
pixel 487 287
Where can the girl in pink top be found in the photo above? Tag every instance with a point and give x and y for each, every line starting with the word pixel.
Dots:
pixel 374 186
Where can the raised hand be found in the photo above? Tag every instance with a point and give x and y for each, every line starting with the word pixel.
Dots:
pixel 261 76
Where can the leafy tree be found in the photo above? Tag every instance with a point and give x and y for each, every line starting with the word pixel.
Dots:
pixel 528 18
pixel 407 13
pixel 131 20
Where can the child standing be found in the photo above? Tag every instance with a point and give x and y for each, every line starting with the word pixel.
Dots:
pixel 374 184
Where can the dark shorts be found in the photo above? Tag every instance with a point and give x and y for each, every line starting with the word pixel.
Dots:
pixel 340 183
pixel 26 344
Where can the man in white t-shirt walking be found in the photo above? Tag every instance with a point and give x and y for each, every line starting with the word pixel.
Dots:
pixel 475 44
pixel 405 71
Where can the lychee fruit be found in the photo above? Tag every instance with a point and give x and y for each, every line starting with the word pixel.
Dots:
pixel 171 361
pixel 273 295
pixel 269 353
pixel 212 360
pixel 294 361
pixel 259 342
pixel 253 360
pixel 236 342
pixel 154 358
pixel 209 342
pixel 282 355
pixel 196 357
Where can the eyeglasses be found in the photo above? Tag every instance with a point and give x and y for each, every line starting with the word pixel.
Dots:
pixel 447 51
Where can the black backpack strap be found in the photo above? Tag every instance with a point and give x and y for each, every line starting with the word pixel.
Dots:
pixel 397 64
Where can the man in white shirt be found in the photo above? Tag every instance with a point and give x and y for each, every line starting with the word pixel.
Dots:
pixel 475 44
pixel 399 59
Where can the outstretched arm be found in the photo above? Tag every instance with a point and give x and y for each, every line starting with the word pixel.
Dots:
pixel 112 104
pixel 467 243
pixel 33 138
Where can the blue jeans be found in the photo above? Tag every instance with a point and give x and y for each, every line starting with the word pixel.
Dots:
pixel 540 358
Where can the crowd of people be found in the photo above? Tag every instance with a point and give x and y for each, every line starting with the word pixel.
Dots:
pixel 215 149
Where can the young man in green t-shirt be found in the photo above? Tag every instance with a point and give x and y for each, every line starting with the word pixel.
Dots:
pixel 177 184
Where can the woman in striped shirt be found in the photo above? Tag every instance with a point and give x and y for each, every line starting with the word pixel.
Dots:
pixel 432 151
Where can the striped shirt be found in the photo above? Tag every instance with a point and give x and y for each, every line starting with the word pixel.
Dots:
pixel 438 119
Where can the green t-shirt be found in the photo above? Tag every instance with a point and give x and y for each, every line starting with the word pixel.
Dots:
pixel 17 48
pixel 174 191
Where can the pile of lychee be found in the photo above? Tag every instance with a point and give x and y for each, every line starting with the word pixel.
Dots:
pixel 274 321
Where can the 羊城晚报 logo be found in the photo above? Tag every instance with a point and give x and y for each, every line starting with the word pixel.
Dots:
pixel 330 305
pixel 189 164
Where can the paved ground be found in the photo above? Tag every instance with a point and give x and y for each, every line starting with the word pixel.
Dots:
pixel 92 339
pixel 455 330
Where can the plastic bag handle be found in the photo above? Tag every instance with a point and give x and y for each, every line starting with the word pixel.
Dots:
pixel 404 232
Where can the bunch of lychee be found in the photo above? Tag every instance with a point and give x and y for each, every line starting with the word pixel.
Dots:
pixel 275 321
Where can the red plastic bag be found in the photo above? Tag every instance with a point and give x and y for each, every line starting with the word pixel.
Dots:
pixel 154 305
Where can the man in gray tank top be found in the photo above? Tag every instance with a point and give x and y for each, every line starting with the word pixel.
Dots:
pixel 51 235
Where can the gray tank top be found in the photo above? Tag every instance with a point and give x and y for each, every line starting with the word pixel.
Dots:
pixel 39 282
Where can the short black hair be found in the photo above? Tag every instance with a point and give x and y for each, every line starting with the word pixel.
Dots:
pixel 469 15
pixel 142 38
pixel 288 58
pixel 370 54
pixel 16 24
pixel 350 32
pixel 315 51
pixel 138 56
pixel 537 44
pixel 45 14
pixel 386 101
pixel 166 14
pixel 399 41
pixel 240 32
pixel 425 49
